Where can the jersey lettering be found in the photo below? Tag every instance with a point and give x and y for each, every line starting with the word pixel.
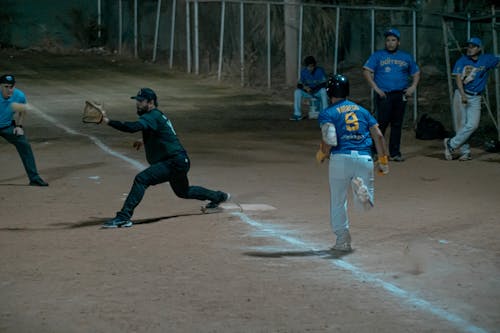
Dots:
pixel 169 124
pixel 351 121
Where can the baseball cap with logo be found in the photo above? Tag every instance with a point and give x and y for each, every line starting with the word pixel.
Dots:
pixel 8 78
pixel 145 94
pixel 392 32
pixel 475 41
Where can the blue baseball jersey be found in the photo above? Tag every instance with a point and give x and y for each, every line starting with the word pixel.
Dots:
pixel 391 70
pixel 313 80
pixel 352 124
pixel 6 112
pixel 474 74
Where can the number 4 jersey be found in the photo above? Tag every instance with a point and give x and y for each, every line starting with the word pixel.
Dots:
pixel 352 123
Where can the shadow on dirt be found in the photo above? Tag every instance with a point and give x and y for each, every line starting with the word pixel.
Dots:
pixel 324 254
pixel 100 220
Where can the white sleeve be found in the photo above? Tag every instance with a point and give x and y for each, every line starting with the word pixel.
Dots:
pixel 329 134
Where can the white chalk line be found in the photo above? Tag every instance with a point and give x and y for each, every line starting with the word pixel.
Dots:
pixel 136 164
pixel 358 273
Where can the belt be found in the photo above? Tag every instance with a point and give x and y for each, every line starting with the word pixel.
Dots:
pixel 394 92
pixel 471 93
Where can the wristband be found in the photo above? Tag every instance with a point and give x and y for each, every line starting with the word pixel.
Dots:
pixel 383 160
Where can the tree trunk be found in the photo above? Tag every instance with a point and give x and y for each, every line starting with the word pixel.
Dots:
pixel 291 11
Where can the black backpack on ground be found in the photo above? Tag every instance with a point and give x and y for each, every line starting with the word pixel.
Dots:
pixel 430 129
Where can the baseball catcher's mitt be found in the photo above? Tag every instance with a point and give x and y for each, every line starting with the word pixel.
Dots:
pixel 92 113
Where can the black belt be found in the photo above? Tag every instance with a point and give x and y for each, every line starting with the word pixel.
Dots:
pixel 394 92
pixel 470 93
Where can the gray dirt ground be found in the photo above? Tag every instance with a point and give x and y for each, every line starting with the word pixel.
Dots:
pixel 426 257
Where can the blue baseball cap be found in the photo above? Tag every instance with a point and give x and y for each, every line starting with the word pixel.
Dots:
pixel 392 32
pixel 8 78
pixel 475 41
pixel 145 94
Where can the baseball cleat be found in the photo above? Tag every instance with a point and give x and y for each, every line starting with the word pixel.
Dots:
pixel 465 157
pixel 361 191
pixel 38 182
pixel 213 210
pixel 296 118
pixel 343 242
pixel 447 150
pixel 223 197
pixel 397 158
pixel 117 223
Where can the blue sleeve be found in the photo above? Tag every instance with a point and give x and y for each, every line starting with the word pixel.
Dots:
pixel 18 97
pixel 493 61
pixel 414 69
pixel 302 75
pixel 371 63
pixel 459 66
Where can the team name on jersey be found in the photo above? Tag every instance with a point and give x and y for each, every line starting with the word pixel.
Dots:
pixel 397 62
pixel 347 108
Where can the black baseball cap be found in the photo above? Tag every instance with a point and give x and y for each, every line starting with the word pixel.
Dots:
pixel 8 78
pixel 145 94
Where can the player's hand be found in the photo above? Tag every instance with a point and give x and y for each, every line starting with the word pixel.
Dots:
pixel 409 91
pixel 383 165
pixel 138 144
pixel 380 92
pixel 464 99
pixel 18 131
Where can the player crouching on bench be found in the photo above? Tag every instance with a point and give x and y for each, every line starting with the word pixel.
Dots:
pixel 168 159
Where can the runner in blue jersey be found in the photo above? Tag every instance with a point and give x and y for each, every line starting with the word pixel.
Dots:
pixel 471 75
pixel 348 133
pixel 312 84
pixel 168 159
pixel 387 72
pixel 12 129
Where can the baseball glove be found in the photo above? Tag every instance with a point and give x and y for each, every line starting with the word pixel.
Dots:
pixel 93 113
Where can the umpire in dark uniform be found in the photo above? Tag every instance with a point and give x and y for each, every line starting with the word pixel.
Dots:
pixel 12 129
pixel 168 159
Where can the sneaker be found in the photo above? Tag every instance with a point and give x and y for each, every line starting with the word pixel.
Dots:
pixel 343 242
pixel 117 222
pixel 38 182
pixel 223 198
pixel 465 157
pixel 296 118
pixel 397 158
pixel 361 191
pixel 448 151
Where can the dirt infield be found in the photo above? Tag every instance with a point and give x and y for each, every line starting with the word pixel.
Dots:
pixel 426 257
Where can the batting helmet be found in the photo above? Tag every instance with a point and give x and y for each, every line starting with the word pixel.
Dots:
pixel 338 86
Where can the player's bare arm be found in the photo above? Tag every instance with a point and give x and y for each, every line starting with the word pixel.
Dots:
pixel 381 147
pixel 368 74
pixel 411 89
pixel 460 86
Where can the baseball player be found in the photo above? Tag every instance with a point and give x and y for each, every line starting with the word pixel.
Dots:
pixel 168 159
pixel 387 71
pixel 312 83
pixel 348 134
pixel 12 129
pixel 471 75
